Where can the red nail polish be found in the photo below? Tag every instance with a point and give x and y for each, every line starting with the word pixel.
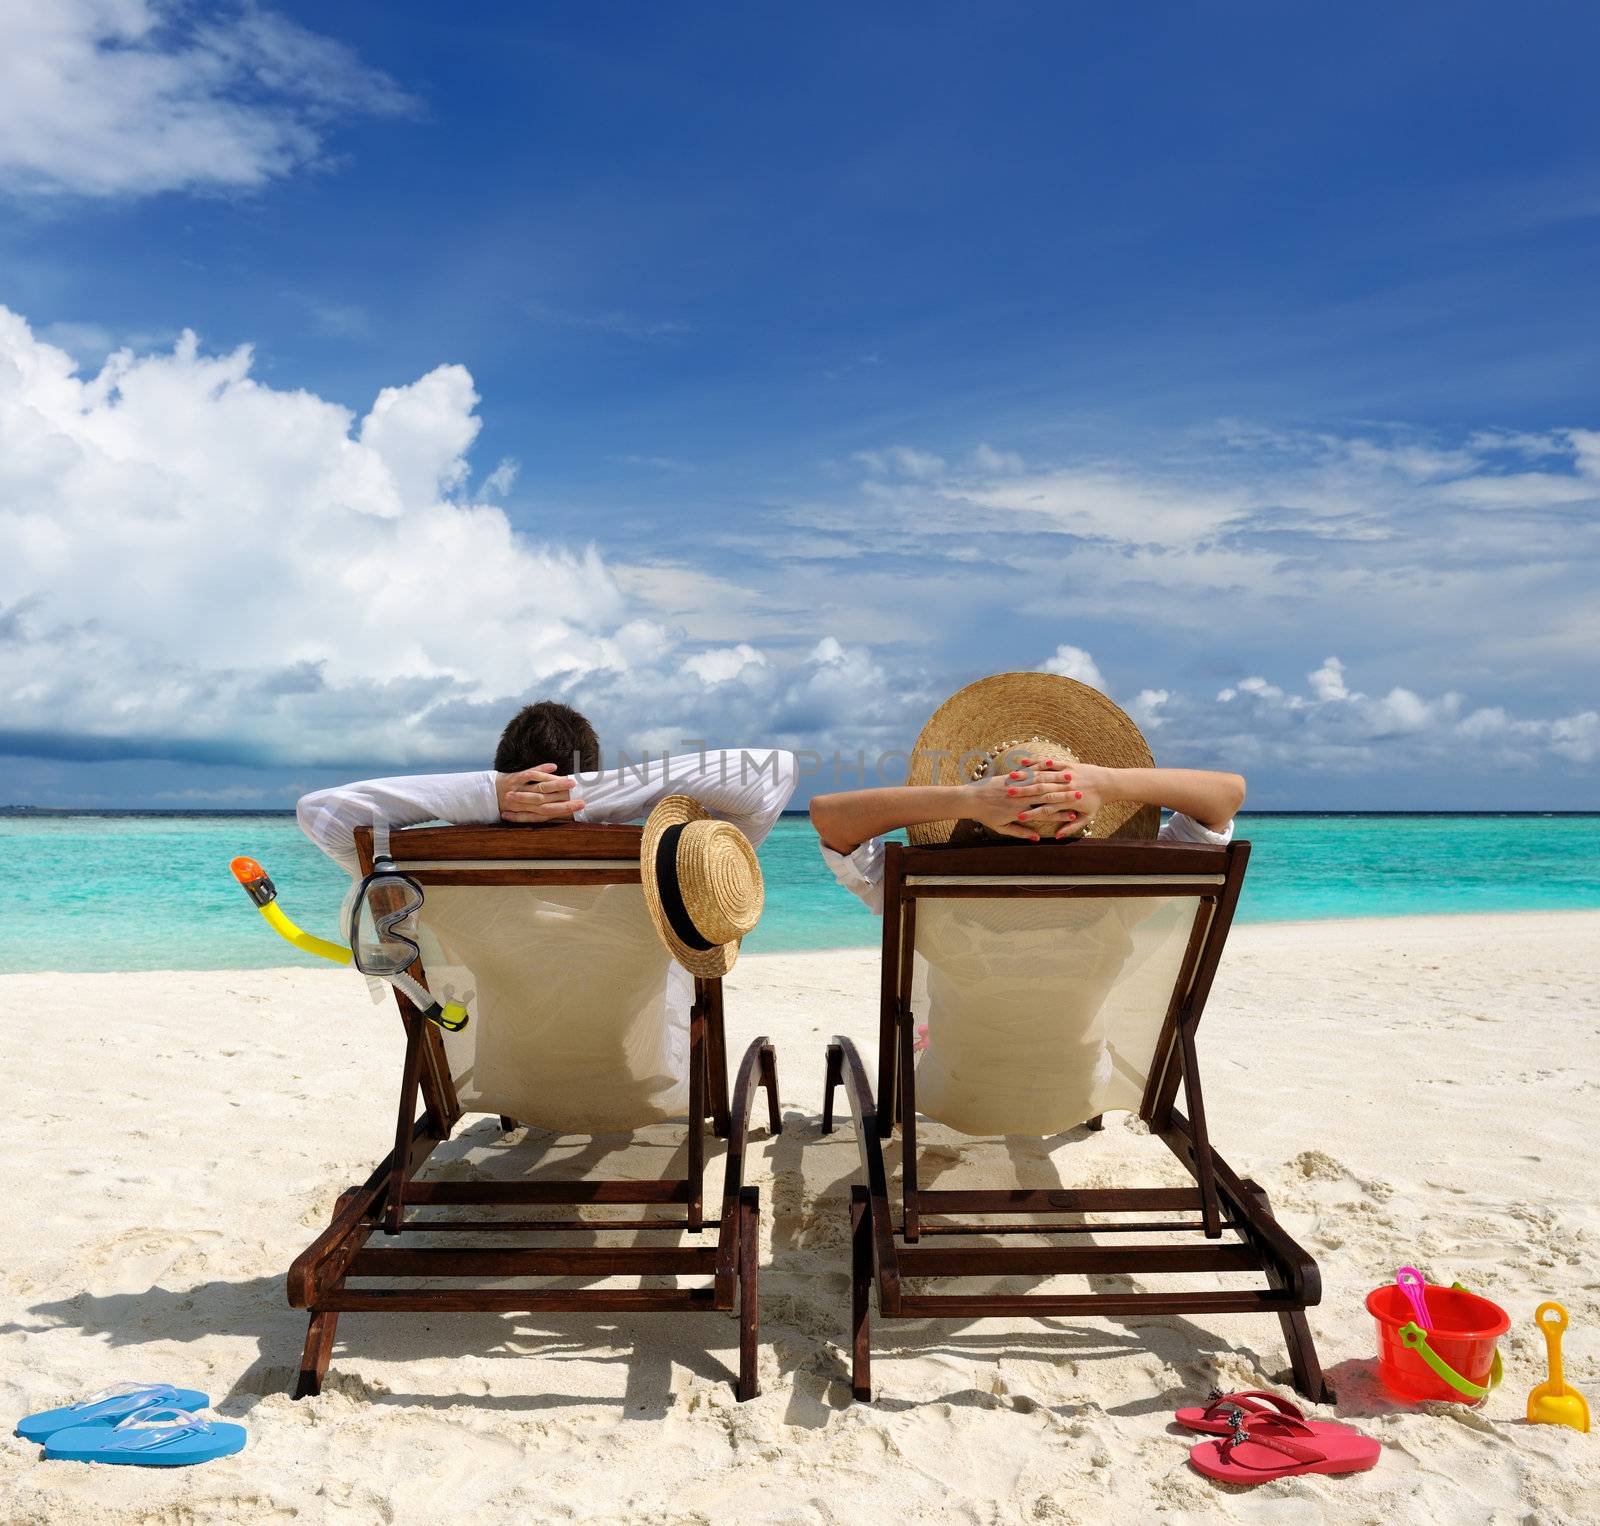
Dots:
pixel 1077 794
pixel 1034 838
pixel 1015 776
pixel 1022 816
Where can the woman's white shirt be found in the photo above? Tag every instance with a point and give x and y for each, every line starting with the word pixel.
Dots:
pixel 861 871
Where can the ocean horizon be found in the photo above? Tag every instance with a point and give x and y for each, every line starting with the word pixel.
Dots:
pixel 135 889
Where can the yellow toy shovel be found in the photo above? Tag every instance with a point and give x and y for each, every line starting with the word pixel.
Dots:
pixel 1552 1402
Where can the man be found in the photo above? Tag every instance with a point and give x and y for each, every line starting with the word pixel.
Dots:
pixel 546 769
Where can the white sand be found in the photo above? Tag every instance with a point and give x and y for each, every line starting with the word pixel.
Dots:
pixel 1424 1090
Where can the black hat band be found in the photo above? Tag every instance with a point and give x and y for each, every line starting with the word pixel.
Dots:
pixel 678 918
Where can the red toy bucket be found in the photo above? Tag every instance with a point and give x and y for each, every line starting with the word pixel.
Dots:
pixel 1459 1359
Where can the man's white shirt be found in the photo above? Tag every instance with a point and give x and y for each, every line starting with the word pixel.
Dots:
pixel 748 787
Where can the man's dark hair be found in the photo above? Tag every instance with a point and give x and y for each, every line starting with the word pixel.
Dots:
pixel 548 732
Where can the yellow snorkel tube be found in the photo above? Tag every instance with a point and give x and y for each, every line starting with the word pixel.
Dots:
pixel 257 884
pixel 259 887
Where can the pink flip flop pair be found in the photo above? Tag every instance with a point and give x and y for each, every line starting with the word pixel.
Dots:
pixel 1265 1436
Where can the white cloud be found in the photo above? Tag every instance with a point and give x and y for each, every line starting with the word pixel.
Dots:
pixel 1573 737
pixel 1519 442
pixel 1577 737
pixel 901 461
pixel 196 555
pixel 1421 463
pixel 987 459
pixel 709 608
pixel 197 558
pixel 1585 445
pixel 1342 728
pixel 867 358
pixel 845 693
pixel 1341 715
pixel 719 664
pixel 90 343
pixel 1146 707
pixel 1293 540
pixel 623 325
pixel 201 566
pixel 1098 503
pixel 1327 682
pixel 659 463
pixel 1074 662
pixel 1518 490
pixel 503 478
pixel 233 794
pixel 133 97
pixel 340 320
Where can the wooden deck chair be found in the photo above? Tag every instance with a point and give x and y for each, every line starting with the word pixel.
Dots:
pixel 1061 981
pixel 547 926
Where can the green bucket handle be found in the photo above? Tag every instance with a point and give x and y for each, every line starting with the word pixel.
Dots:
pixel 1413 1335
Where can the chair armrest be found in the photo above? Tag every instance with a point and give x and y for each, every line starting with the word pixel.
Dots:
pixel 757 1068
pixel 863 1109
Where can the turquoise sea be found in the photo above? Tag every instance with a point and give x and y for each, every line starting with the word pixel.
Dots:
pixel 138 892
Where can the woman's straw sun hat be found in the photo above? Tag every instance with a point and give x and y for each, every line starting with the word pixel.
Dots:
pixel 702 884
pixel 990 725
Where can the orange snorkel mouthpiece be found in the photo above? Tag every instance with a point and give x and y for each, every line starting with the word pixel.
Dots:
pixel 257 884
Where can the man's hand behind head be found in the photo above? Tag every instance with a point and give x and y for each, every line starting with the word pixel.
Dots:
pixel 536 796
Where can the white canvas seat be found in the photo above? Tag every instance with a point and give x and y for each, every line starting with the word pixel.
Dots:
pixel 578 1019
pixel 1041 1013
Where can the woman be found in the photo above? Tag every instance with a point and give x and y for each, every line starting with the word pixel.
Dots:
pixel 1036 1009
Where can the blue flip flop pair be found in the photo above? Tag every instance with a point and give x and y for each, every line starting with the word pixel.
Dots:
pixel 152 1425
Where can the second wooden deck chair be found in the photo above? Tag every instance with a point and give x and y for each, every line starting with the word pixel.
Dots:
pixel 548 928
pixel 1060 982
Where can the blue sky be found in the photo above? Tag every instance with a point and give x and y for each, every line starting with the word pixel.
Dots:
pixel 766 375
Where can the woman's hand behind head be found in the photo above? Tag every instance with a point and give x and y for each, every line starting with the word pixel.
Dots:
pixel 1027 803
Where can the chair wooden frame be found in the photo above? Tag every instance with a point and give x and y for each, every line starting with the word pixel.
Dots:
pixel 1229 1215
pixel 320 1278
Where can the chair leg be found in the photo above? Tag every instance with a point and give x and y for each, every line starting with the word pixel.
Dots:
pixel 1308 1378
pixel 749 1300
pixel 1303 1363
pixel 317 1354
pixel 717 1067
pixel 507 1124
pixel 860 1290
pixel 769 1079
pixel 1096 1123
pixel 831 1083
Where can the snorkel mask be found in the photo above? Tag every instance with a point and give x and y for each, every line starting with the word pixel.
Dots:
pixel 383 916
pixel 381 924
